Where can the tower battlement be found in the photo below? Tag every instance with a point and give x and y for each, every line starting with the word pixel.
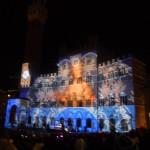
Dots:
pixel 37 11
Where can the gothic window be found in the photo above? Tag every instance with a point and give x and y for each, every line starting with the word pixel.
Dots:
pixel 88 61
pixel 12 118
pixel 29 120
pixel 70 103
pixel 64 66
pixel 111 99
pixel 70 81
pixel 123 98
pixel 79 80
pixel 88 123
pixel 62 120
pixel 44 121
pixel 89 78
pixel 101 124
pixel 62 103
pixel 62 82
pixel 112 124
pixel 88 103
pixel 100 77
pixel 78 122
pixel 70 122
pixel 124 125
pixel 52 121
pixel 80 104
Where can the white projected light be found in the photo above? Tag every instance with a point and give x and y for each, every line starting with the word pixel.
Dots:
pixel 25 75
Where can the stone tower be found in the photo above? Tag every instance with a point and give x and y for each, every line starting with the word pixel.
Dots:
pixel 37 15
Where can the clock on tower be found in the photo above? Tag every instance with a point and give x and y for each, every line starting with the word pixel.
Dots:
pixel 25 76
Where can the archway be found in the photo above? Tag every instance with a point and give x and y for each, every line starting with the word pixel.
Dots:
pixel 12 118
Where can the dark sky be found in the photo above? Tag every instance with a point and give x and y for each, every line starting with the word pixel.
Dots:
pixel 71 28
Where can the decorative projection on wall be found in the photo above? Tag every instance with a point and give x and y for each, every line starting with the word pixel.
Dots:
pixel 83 96
pixel 25 76
pixel 75 85
pixel 115 85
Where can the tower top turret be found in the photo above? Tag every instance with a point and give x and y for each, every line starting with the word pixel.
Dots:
pixel 37 11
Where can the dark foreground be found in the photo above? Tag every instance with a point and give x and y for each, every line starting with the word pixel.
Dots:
pixel 29 139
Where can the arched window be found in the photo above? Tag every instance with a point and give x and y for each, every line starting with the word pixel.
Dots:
pixel 29 120
pixel 79 80
pixel 112 123
pixel 80 104
pixel 70 103
pixel 62 120
pixel 88 103
pixel 78 122
pixel 12 118
pixel 52 121
pixel 44 121
pixel 101 124
pixel 70 124
pixel 111 99
pixel 123 98
pixel 124 125
pixel 88 123
pixel 70 81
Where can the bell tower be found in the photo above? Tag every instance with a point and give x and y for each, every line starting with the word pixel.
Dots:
pixel 37 15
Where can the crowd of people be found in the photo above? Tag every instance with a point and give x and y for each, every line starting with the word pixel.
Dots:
pixel 29 139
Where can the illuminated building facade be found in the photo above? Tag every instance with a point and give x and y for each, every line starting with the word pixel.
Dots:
pixel 82 96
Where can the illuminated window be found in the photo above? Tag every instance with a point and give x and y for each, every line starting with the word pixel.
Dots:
pixel 112 124
pixel 64 66
pixel 111 101
pixel 78 122
pixel 62 120
pixel 123 71
pixel 89 78
pixel 88 61
pixel 80 104
pixel 62 103
pixel 70 82
pixel 88 123
pixel 76 62
pixel 62 82
pixel 100 77
pixel 124 125
pixel 70 122
pixel 123 98
pixel 79 80
pixel 29 120
pixel 54 84
pixel 36 123
pixel 70 103
pixel 44 121
pixel 101 124
pixel 101 100
pixel 88 103
pixel 12 118
pixel 52 121
pixel 111 75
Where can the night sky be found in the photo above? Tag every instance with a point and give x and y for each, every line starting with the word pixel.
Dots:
pixel 113 30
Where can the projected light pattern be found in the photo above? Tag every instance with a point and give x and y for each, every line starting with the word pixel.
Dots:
pixel 115 83
pixel 91 119
pixel 75 82
pixel 82 96
pixel 16 112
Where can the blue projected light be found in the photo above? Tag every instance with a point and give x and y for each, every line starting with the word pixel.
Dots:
pixel 10 104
